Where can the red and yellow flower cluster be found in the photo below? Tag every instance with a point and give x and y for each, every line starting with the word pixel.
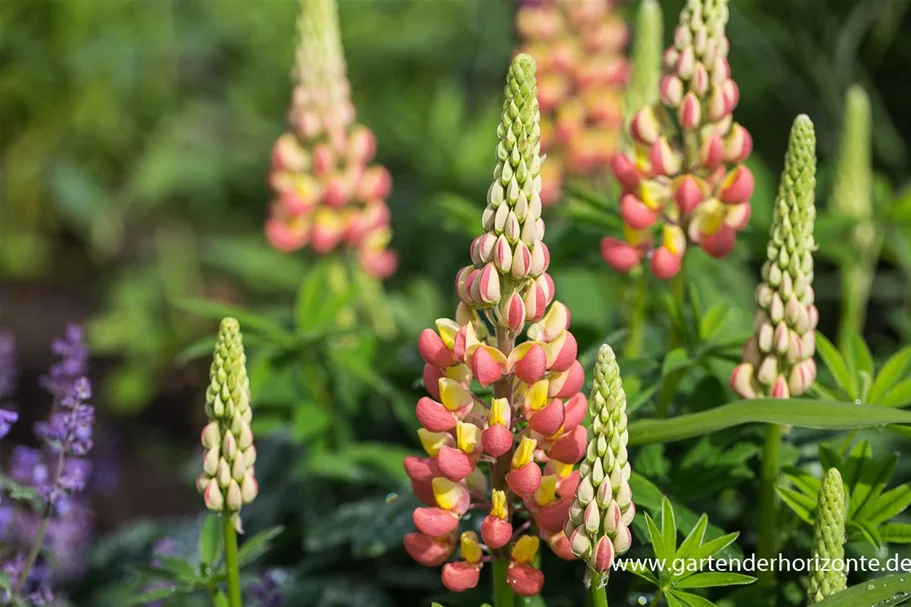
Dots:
pixel 327 192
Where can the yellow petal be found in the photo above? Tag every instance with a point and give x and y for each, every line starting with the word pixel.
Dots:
pixel 453 394
pixel 432 441
pixel 524 453
pixel 547 492
pixel 460 373
pixel 471 548
pixel 447 329
pixel 525 549
pixel 500 413
pixel 536 398
pixel 467 437
pixel 560 469
pixel 446 492
pixel 498 504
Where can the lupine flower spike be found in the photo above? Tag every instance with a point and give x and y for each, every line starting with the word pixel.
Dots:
pixel 581 74
pixel 827 578
pixel 778 359
pixel 599 519
pixel 688 184
pixel 227 481
pixel 327 192
pixel 852 197
pixel 510 454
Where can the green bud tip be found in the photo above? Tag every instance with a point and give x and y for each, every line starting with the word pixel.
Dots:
pixel 829 539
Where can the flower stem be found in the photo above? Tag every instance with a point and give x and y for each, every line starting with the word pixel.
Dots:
pixel 669 383
pixel 231 568
pixel 32 557
pixel 598 595
pixel 502 593
pixel 637 315
pixel 768 506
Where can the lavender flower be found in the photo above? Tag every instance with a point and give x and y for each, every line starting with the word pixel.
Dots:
pixel 7 381
pixel 35 589
pixel 264 592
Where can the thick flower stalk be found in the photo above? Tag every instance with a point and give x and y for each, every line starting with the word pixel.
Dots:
pixel 826 578
pixel 599 519
pixel 328 195
pixel 685 177
pixel 510 453
pixel 581 75
pixel 227 481
pixel 778 359
pixel 852 197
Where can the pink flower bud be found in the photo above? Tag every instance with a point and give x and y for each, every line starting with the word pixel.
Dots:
pixel 535 303
pixel 567 354
pixel 521 261
pixel 211 435
pixel 717 105
pixel 460 576
pixel 737 186
pixel 567 383
pixel 233 497
pixel 783 338
pixel 525 481
pixel 495 532
pixel 540 259
pixel 603 555
pixel 664 264
pixel 690 112
pixel 664 160
pixel 549 419
pixel 719 243
pixel 283 237
pixel 671 90
pixel 625 171
pixel 801 378
pixel 429 551
pixel 433 350
pixel 553 516
pixel 780 388
pixel 712 152
pixel 379 264
pixel 434 416
pixel 463 285
pixel 532 366
pixel 731 95
pixel 645 127
pixel 700 80
pixel 323 159
pixel 768 370
pixel 361 144
pixel 481 249
pixel 213 497
pixel 287 154
pixel 575 411
pixel 496 440
pixel 688 194
pixel 249 488
pixel 484 367
pixel 622 541
pixel 742 381
pixel 375 183
pixel 570 448
pixel 524 579
pixel 453 463
pixel 738 144
pixel 512 313
pixel 686 63
pixel 502 254
pixel 635 213
pixel 327 231
pixel 620 255
pixel 488 285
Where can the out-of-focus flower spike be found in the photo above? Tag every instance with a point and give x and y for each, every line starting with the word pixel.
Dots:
pixel 645 71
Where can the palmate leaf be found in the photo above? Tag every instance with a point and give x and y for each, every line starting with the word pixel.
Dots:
pixel 804 413
pixel 891 373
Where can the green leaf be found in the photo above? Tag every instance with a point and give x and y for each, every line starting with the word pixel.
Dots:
pixel 896 533
pixel 311 297
pixel 888 505
pixel 210 539
pixel 676 359
pixel 221 600
pixel 836 364
pixel 868 531
pixel 639 569
pixel 802 505
pixel 859 358
pixel 714 320
pixel 872 481
pixel 711 579
pixel 694 539
pixel 662 550
pixel 805 482
pixel 691 600
pixel 898 396
pixel 851 470
pixel 151 597
pixel 819 415
pixel 673 601
pixel 890 374
pixel 668 526
pixel 183 571
pixel 249 321
pixel 714 546
pixel 257 545
pixel 886 591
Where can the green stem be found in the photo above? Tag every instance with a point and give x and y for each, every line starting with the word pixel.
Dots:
pixel 637 315
pixel 656 599
pixel 502 593
pixel 598 595
pixel 669 384
pixel 32 557
pixel 768 504
pixel 855 288
pixel 231 568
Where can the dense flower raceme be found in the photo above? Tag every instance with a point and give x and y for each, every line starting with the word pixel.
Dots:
pixel 599 520
pixel 689 181
pixel 828 578
pixel 58 471
pixel 227 481
pixel 581 74
pixel 778 359
pixel 327 193
pixel 527 433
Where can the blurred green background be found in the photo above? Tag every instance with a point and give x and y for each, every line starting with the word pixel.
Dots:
pixel 134 148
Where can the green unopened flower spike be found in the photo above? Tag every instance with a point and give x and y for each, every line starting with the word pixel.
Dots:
pixel 778 359
pixel 599 519
pixel 852 197
pixel 227 481
pixel 648 45
pixel 828 539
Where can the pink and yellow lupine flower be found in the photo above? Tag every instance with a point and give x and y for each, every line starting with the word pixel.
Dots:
pixel 501 426
pixel 688 185
pixel 582 71
pixel 327 193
